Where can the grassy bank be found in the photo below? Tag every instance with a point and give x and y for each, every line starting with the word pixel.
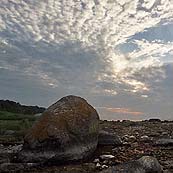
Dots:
pixel 13 126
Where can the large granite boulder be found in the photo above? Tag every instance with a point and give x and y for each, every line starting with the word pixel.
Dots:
pixel 66 131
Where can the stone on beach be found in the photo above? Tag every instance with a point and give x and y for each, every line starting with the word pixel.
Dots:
pixel 146 164
pixel 164 142
pixel 66 131
pixel 107 138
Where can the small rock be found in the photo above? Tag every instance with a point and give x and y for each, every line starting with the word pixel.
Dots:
pixel 98 165
pixel 16 148
pixel 96 161
pixel 107 138
pixel 136 133
pixel 127 144
pixel 105 162
pixel 125 138
pixel 169 164
pixel 146 164
pixel 28 165
pixel 107 157
pixel 11 167
pixel 9 132
pixel 155 134
pixel 145 139
pixel 164 142
pixel 132 139
pixel 150 164
pixel 104 166
pixel 165 134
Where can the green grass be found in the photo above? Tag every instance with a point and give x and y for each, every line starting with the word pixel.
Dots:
pixel 4 115
pixel 15 125
pixel 18 123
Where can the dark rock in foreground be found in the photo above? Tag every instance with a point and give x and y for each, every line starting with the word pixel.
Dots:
pixel 107 138
pixel 67 131
pixel 164 142
pixel 146 164
pixel 11 167
pixel 106 158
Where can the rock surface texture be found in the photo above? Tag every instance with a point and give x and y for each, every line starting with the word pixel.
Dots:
pixel 164 142
pixel 66 131
pixel 107 138
pixel 146 164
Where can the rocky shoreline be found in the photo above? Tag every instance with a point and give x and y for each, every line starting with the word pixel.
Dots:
pixel 70 138
pixel 143 138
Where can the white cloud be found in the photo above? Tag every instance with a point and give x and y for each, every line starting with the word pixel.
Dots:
pixel 99 26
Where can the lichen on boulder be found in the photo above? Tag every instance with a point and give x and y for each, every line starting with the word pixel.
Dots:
pixel 66 131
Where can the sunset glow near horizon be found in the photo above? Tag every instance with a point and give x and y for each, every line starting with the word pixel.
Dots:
pixel 117 55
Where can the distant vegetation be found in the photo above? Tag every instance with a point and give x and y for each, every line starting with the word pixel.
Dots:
pixel 16 119
pixel 11 106
pixel 4 115
pixel 13 126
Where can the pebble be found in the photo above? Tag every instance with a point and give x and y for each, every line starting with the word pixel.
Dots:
pixel 105 161
pixel 105 157
pixel 165 134
pixel 126 144
pixel 145 138
pixel 132 138
pixel 108 139
pixel 98 165
pixel 164 142
pixel 125 138
pixel 136 133
pixel 104 166
pixel 96 161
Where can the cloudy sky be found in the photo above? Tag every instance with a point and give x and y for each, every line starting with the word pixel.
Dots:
pixel 116 54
